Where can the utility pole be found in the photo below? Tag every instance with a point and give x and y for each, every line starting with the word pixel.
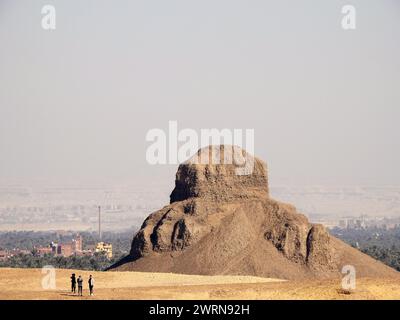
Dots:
pixel 99 223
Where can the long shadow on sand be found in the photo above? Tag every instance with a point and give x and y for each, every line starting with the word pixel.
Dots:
pixel 120 262
pixel 69 295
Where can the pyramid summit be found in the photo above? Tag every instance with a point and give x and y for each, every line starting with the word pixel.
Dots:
pixel 221 173
pixel 222 220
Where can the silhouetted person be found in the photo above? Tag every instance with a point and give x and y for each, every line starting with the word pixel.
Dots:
pixel 80 285
pixel 73 283
pixel 91 285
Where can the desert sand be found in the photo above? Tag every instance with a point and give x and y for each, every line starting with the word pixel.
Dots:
pixel 26 284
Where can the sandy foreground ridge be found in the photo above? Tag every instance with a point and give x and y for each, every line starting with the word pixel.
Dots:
pixel 18 284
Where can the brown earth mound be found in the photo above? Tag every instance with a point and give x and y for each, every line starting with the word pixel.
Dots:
pixel 222 221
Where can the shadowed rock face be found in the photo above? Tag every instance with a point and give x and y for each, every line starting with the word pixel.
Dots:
pixel 222 221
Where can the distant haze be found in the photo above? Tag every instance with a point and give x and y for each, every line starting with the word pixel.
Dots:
pixel 76 103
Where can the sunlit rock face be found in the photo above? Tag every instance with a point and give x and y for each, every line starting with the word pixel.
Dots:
pixel 221 173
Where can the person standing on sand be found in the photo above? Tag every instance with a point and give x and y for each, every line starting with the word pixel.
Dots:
pixel 73 283
pixel 80 286
pixel 91 285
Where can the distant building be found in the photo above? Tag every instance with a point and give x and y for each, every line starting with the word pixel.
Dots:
pixel 389 226
pixel 105 248
pixel 56 249
pixel 44 250
pixel 342 224
pixel 67 249
pixel 63 249
pixel 86 253
pixel 351 223
pixel 78 243
pixel 3 255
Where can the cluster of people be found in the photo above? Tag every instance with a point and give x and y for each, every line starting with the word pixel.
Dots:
pixel 79 281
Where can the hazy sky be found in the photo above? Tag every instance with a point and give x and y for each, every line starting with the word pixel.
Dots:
pixel 78 101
